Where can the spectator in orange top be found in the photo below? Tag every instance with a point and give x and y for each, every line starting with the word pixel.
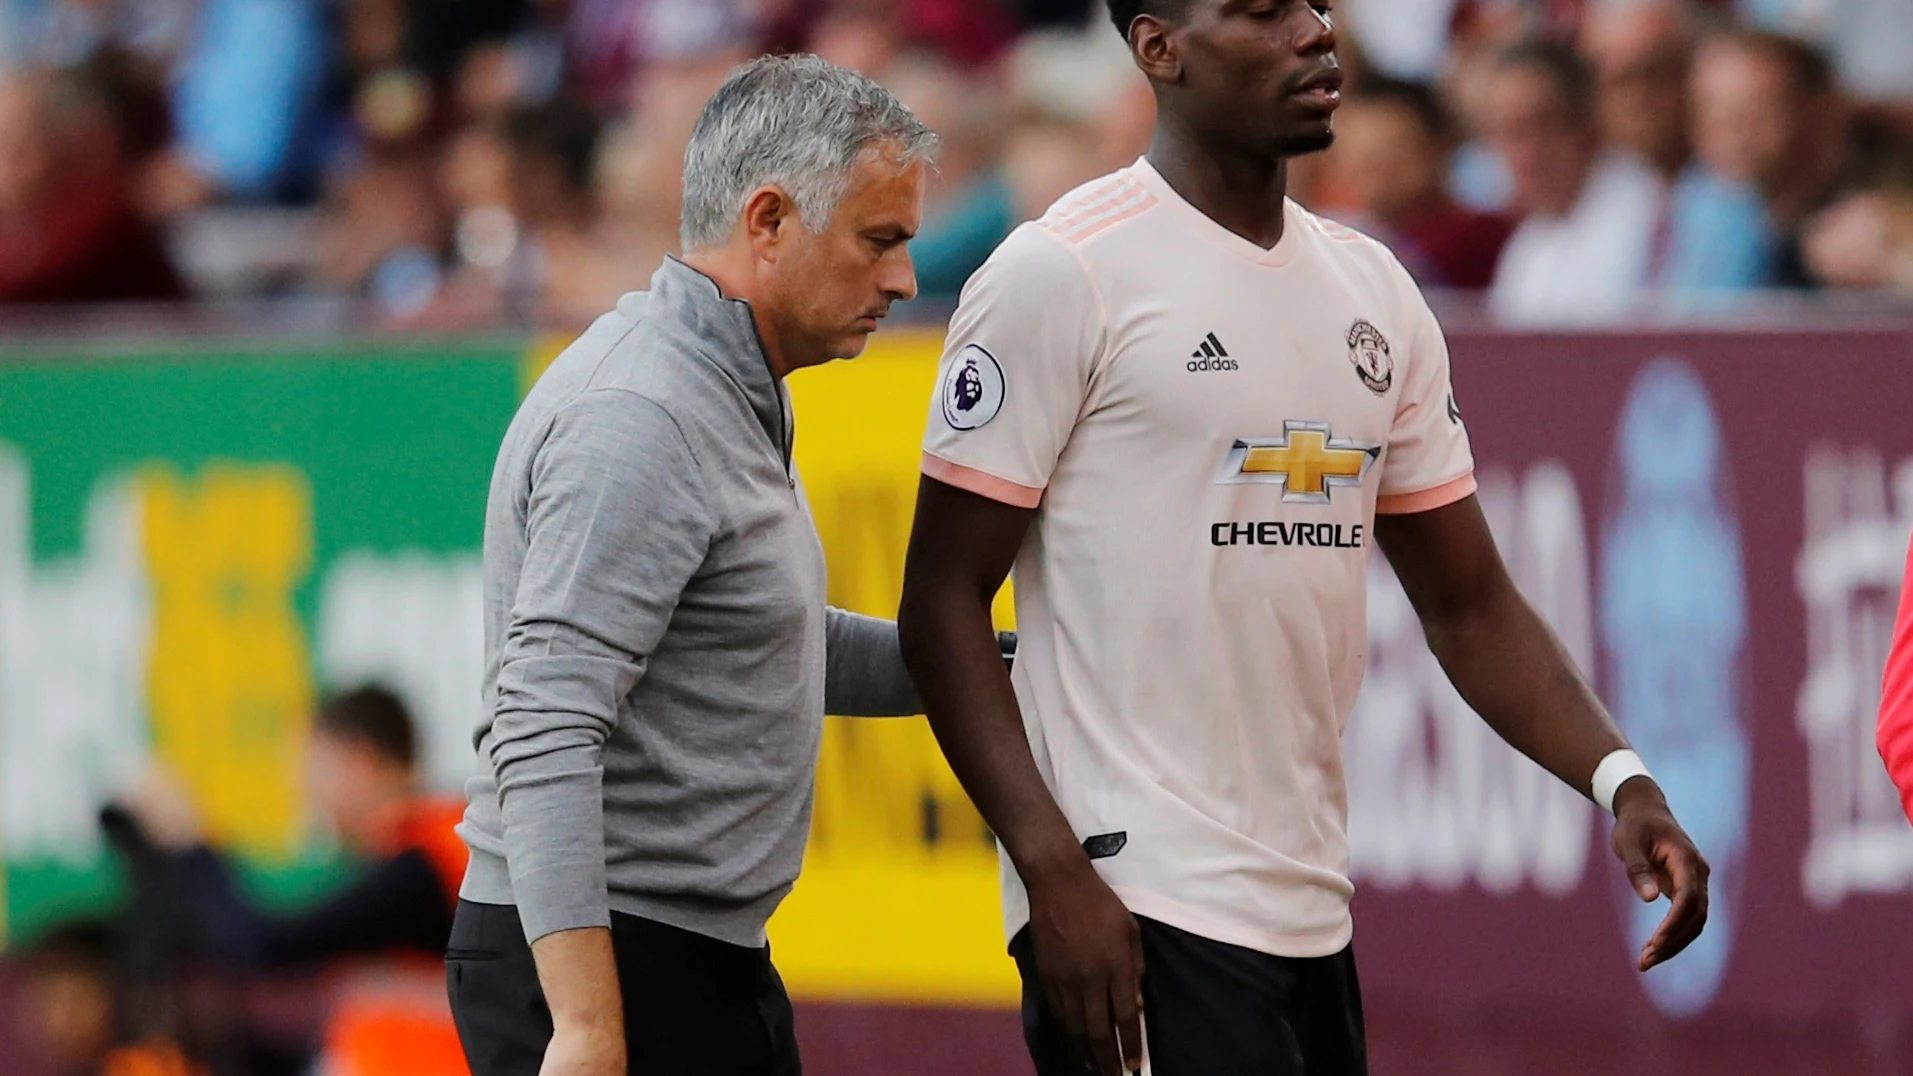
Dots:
pixel 361 767
pixel 1896 698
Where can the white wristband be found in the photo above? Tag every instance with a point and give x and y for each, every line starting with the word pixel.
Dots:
pixel 1616 769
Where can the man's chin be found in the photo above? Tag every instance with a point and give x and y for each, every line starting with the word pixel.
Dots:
pixel 853 345
pixel 1302 143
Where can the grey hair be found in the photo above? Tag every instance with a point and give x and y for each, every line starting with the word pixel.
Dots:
pixel 798 122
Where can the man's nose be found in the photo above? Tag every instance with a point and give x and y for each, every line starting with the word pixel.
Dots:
pixel 900 277
pixel 1317 35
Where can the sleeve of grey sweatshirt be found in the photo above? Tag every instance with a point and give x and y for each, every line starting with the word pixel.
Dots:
pixel 616 524
pixel 864 675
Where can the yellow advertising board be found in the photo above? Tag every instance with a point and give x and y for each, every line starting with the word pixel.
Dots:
pixel 898 899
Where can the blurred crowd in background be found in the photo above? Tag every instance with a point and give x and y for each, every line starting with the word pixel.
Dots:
pixel 472 162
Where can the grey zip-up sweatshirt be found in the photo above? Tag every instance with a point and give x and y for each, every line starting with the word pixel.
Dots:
pixel 659 656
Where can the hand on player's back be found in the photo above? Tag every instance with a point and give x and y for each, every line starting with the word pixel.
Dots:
pixel 1660 859
pixel 1089 955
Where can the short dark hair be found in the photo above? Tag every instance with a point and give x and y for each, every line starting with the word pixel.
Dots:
pixel 1561 64
pixel 374 716
pixel 1124 12
pixel 1417 97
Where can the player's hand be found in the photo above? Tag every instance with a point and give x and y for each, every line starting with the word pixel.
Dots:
pixel 1661 861
pixel 1089 956
pixel 584 1050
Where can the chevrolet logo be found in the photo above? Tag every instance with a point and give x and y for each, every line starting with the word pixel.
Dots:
pixel 1308 462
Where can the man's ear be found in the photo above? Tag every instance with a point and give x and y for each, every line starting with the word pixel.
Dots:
pixel 1154 53
pixel 769 216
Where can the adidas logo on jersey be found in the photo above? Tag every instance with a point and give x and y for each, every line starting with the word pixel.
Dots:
pixel 1210 356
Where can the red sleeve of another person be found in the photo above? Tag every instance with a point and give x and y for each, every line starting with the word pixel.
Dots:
pixel 1896 698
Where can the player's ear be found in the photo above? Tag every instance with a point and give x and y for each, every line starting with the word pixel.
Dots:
pixel 1154 53
pixel 768 217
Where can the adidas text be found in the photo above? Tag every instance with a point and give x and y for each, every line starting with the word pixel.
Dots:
pixel 1210 355
pixel 1196 366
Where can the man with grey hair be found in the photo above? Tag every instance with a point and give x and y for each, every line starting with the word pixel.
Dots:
pixel 659 655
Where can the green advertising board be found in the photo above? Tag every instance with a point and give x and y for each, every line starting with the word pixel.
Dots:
pixel 192 545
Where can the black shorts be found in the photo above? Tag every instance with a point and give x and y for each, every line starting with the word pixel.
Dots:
pixel 693 1006
pixel 1212 1009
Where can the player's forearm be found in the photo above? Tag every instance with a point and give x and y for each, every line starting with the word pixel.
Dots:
pixel 1512 669
pixel 578 970
pixel 955 658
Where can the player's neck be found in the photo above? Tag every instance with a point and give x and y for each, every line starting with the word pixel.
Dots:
pixel 1242 193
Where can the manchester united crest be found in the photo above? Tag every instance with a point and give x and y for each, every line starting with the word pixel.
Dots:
pixel 1368 350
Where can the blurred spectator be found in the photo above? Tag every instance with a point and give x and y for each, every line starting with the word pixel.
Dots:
pixel 1641 51
pixel 487 243
pixel 1717 241
pixel 246 78
pixel 1483 32
pixel 1771 141
pixel 1584 245
pixel 383 231
pixel 72 1011
pixel 271 55
pixel 71 228
pixel 362 775
pixel 1393 144
pixel 1864 240
pixel 861 35
pixel 640 197
pixel 638 181
pixel 1477 176
pixel 1046 157
pixel 554 152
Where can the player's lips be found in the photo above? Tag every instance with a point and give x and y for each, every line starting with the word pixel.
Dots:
pixel 1322 90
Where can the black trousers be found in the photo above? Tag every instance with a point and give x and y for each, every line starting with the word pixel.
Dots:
pixel 693 1006
pixel 1213 1009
